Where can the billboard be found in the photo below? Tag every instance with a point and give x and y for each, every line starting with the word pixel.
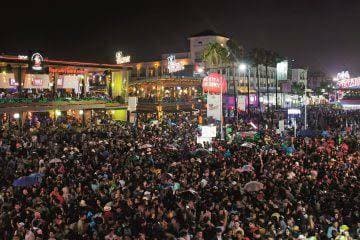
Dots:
pixel 208 131
pixel 39 81
pixel 241 101
pixel 349 83
pixel 132 104
pixel 282 70
pixel 213 106
pixel 214 83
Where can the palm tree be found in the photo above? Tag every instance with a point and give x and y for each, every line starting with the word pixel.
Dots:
pixel 257 56
pixel 215 56
pixel 270 60
pixel 236 55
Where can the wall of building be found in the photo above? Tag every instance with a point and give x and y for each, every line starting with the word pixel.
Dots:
pixel 298 75
pixel 197 45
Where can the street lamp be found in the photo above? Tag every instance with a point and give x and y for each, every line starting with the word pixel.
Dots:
pixel 242 67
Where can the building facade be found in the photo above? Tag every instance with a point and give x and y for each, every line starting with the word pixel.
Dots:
pixel 31 84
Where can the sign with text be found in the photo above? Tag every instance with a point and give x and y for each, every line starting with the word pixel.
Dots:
pixel 214 106
pixel 208 131
pixel 241 101
pixel 132 103
pixel 214 83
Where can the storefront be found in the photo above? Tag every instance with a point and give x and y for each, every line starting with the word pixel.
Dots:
pixel 36 77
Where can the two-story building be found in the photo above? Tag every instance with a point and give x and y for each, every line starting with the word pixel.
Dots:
pixel 31 84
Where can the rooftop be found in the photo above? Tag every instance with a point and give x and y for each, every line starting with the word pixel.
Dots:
pixel 208 32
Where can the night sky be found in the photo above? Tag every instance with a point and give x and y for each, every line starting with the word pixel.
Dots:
pixel 323 35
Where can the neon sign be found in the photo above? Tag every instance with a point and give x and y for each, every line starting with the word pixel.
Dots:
pixel 67 70
pixel 174 66
pixel 22 57
pixel 343 75
pixel 37 60
pixel 349 83
pixel 120 58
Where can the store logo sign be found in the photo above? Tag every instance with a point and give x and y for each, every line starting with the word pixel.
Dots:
pixel 36 61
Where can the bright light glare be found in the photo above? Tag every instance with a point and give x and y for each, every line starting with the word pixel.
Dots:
pixel 16 115
pixel 200 70
pixel 242 67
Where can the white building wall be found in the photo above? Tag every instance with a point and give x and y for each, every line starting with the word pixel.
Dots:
pixel 197 45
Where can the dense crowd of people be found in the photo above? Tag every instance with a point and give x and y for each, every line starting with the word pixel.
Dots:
pixel 153 180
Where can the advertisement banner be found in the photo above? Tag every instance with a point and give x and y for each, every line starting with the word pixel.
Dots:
pixel 39 81
pixel 214 83
pixel 281 125
pixel 213 106
pixel 68 82
pixel 208 131
pixel 132 103
pixel 282 70
pixel 7 80
pixel 241 102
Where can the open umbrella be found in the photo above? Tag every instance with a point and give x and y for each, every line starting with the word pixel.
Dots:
pixel 171 147
pixel 247 145
pixel 55 160
pixel 27 181
pixel 200 152
pixel 146 146
pixel 253 186
pixel 189 195
pixel 245 168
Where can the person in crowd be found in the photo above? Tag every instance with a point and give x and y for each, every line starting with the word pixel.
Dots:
pixel 153 180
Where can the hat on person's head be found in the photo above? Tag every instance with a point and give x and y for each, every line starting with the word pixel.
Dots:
pixel 21 224
pixel 218 230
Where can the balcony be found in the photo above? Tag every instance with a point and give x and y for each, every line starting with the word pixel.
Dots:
pixel 62 104
pixel 145 105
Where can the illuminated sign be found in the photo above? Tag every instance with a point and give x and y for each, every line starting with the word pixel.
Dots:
pixel 343 75
pixel 208 131
pixel 36 61
pixel 120 58
pixel 349 83
pixel 67 70
pixel 174 66
pixel 282 70
pixel 214 83
pixel 294 111
pixel 22 57
pixel 60 82
pixel 37 82
pixel 12 82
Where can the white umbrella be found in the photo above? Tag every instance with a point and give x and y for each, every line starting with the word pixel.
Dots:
pixel 248 145
pixel 171 147
pixel 253 186
pixel 55 160
pixel 146 146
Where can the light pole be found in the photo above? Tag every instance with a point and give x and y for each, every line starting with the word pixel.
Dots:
pixel 305 102
pixel 243 67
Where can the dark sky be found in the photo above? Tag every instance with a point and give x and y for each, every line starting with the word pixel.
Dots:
pixel 321 34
